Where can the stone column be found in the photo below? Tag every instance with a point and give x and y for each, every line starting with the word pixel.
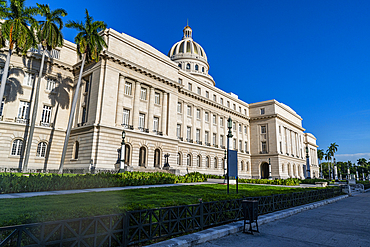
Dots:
pixel 164 114
pixel 184 121
pixel 135 115
pixel 151 109
pixel 193 123
pixel 210 133
pixel 243 138
pixel 218 130
pixel 202 120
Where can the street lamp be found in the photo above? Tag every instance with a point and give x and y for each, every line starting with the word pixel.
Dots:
pixel 122 162
pixel 335 171
pixel 270 169
pixel 308 164
pixel 224 165
pixel 166 165
pixel 348 173
pixel 229 135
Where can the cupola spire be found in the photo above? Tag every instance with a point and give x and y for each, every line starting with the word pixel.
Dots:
pixel 187 31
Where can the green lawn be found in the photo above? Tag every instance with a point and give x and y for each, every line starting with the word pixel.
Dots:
pixel 48 208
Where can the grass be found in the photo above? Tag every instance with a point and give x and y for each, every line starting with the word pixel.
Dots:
pixel 58 207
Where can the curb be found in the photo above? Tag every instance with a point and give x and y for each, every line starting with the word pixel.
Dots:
pixel 224 230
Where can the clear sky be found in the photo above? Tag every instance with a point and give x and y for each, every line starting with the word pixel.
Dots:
pixel 311 55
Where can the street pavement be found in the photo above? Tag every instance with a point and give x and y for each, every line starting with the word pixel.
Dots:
pixel 342 223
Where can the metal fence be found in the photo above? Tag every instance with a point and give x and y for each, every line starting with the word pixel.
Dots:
pixel 135 227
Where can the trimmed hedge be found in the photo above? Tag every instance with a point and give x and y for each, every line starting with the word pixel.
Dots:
pixel 288 181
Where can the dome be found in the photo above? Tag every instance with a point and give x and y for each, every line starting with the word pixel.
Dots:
pixel 191 57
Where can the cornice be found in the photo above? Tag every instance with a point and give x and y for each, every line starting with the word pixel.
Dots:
pixel 262 117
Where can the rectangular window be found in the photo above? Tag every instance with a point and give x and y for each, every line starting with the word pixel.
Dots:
pixel 87 85
pixel 214 98
pixel 245 111
pixel 221 140
pixel 23 109
pixel 240 145
pixel 189 110
pixel 50 84
pixel 157 98
pixel 188 133
pixel 240 109
pixel 246 146
pixel 141 120
pixel 281 148
pixel 143 93
pixel 46 114
pixel 155 124
pixel 228 103
pixel 262 111
pixel 180 81
pixel 264 147
pixel 240 128
pixel 234 144
pixel 214 119
pixel 207 94
pixel 234 126
pixel 179 107
pixel 128 88
pixel 198 113
pixel 263 129
pixel 221 121
pixel 2 106
pixel 206 136
pixel 206 116
pixel 197 135
pixel 28 79
pixel 222 101
pixel 178 131
pixel 214 139
pixel 126 117
pixel 190 87
pixel 83 120
pixel 280 132
pixel 234 107
pixel 245 129
pixel 199 90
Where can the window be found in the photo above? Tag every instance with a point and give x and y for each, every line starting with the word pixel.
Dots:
pixel 207 94
pixel 234 126
pixel 188 66
pixel 281 147
pixel 155 124
pixel 214 139
pixel 141 120
pixel 28 79
pixel 178 131
pixel 83 119
pixel 199 90
pixel 221 121
pixel 203 69
pixel 180 65
pixel 245 129
pixel 222 101
pixel 197 135
pixel 214 119
pixel 215 162
pixel 240 128
pixel 234 107
pixel 156 98
pixel 75 150
pixel 198 160
pixel 228 103
pixel 264 147
pixel 207 162
pixel 246 146
pixel 206 116
pixel 17 147
pixel 242 166
pixel 180 80
pixel 127 154
pixel 198 113
pixel 240 145
pixel 196 67
pixel 262 111
pixel 189 110
pixel 245 111
pixel 188 160
pixel 2 107
pixel 221 140
pixel 240 109
pixel 142 156
pixel 234 144
pixel 190 87
pixel 46 113
pixel 143 93
pixel 179 107
pixel 214 98
pixel 23 110
pixel 279 132
pixel 179 159
pixel 41 149
pixel 206 134
pixel 157 158
pixel 128 88
pixel 263 129
pixel 50 84
pixel 87 85
pixel 188 133
pixel 126 117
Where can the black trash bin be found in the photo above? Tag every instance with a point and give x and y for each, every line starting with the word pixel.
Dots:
pixel 250 211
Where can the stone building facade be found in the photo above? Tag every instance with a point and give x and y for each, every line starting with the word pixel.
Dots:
pixel 166 105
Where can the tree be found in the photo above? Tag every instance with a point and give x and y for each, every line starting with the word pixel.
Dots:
pixel 333 148
pixel 17 30
pixel 49 36
pixel 327 158
pixel 320 155
pixel 89 45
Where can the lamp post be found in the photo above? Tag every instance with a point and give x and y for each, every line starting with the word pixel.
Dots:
pixel 356 173
pixel 348 173
pixel 321 170
pixel 229 135
pixel 270 169
pixel 166 165
pixel 122 162
pixel 225 164
pixel 308 164
pixel 335 171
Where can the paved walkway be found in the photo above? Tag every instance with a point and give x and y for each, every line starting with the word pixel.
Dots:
pixel 342 223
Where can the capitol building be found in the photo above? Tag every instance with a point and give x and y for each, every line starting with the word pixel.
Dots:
pixel 167 104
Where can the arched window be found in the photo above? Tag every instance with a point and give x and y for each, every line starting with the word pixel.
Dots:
pixel 247 166
pixel 198 160
pixel 180 66
pixel 196 67
pixel 242 166
pixel 157 158
pixel 127 154
pixel 203 69
pixel 215 162
pixel 17 147
pixel 41 149
pixel 188 66
pixel 207 162
pixel 76 148
pixel 179 158
pixel 282 168
pixel 142 156
pixel 188 160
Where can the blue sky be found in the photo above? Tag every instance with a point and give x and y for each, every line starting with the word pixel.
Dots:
pixel 311 55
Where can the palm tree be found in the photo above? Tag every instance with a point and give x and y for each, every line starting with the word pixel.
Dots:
pixel 333 148
pixel 89 45
pixel 17 30
pixel 320 155
pixel 327 158
pixel 49 36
